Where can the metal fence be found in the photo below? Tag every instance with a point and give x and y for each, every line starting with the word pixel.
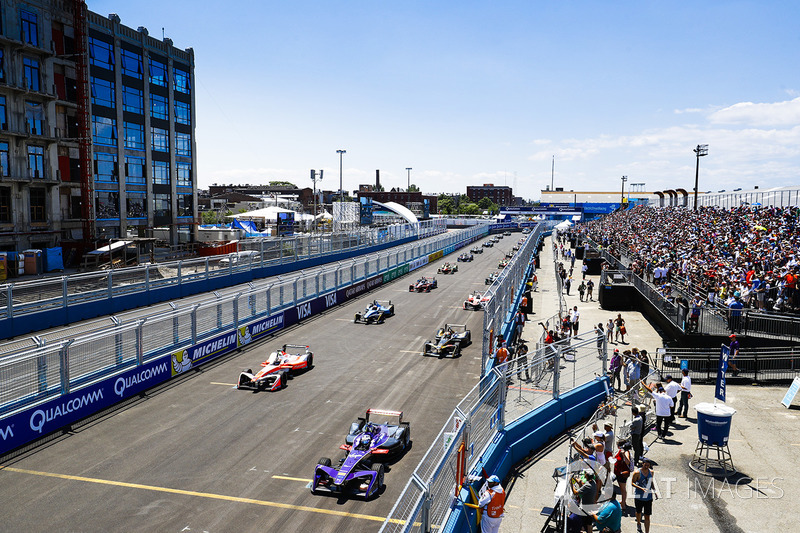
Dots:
pixel 25 297
pixel 48 370
pixel 760 365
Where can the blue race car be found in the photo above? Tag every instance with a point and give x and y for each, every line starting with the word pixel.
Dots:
pixel 358 472
pixel 376 312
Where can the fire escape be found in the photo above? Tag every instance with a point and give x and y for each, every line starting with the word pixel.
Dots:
pixel 84 120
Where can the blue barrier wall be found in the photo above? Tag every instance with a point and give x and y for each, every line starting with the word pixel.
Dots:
pixel 528 434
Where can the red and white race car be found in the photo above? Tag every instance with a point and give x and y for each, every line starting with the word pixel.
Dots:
pixel 475 301
pixel 275 371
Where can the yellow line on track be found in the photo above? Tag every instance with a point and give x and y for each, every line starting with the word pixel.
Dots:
pixel 226 384
pixel 292 478
pixel 207 495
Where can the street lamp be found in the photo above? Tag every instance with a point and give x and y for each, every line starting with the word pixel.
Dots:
pixel 314 178
pixel 408 187
pixel 700 151
pixel 341 153
pixel 622 194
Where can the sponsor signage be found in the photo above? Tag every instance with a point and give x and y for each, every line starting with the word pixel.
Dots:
pixel 791 393
pixel 354 291
pixel 395 273
pixel 366 210
pixel 719 390
pixel 49 416
pixel 417 263
pixel 435 255
pixel 285 223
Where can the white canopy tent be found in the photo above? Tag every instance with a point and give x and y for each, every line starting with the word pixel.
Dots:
pixel 563 226
pixel 267 214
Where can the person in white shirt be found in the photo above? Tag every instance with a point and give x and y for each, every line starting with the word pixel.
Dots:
pixel 664 406
pixel 686 393
pixel 672 388
pixel 492 503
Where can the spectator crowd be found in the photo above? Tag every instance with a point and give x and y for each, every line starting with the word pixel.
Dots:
pixel 747 254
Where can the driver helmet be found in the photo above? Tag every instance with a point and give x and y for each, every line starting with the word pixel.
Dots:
pixel 362 442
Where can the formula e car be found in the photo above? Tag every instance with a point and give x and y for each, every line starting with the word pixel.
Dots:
pixel 275 371
pixel 391 422
pixel 475 301
pixel 503 263
pixel 488 244
pixel 465 257
pixel 447 268
pixel 491 278
pixel 449 340
pixel 376 312
pixel 358 472
pixel 506 233
pixel 476 250
pixel 510 254
pixel 423 284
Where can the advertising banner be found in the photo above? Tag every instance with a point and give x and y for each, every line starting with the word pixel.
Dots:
pixel 719 391
pixel 417 263
pixel 434 256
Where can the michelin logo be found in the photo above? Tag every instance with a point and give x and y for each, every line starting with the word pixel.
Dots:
pixel 181 362
pixel 244 336
pixel 124 383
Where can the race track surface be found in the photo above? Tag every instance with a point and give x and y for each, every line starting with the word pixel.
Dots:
pixel 199 455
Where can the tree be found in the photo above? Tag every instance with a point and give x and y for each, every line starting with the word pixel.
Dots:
pixel 471 209
pixel 282 184
pixel 485 203
pixel 413 188
pixel 446 205
pixel 211 217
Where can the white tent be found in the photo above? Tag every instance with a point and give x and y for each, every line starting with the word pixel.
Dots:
pixel 266 214
pixel 563 226
pixel 325 216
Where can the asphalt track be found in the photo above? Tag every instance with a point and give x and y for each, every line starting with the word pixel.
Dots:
pixel 199 455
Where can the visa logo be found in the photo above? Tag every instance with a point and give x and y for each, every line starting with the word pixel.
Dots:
pixel 330 300
pixel 304 311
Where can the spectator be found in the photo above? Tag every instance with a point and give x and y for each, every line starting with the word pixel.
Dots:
pixel 581 290
pixel 574 317
pixel 492 504
pixel 620 330
pixel 637 434
pixel 616 369
pixel 609 516
pixel 663 408
pixel 734 351
pixel 672 388
pixel 686 394
pixel 623 466
pixel 589 288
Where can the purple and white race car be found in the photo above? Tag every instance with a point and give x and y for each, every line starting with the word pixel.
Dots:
pixel 358 472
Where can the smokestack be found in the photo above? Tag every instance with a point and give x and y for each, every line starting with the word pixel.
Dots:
pixel 377 179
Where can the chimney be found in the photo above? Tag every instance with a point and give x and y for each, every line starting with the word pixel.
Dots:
pixel 377 179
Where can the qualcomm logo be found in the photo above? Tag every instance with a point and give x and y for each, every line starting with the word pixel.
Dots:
pixel 181 362
pixel 41 416
pixel 244 335
pixel 7 432
pixel 123 383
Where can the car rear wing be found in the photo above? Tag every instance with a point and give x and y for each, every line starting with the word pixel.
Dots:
pixel 386 413
pixel 454 326
pixel 347 447
pixel 383 303
pixel 301 347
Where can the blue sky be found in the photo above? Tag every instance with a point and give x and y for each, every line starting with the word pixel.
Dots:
pixel 474 92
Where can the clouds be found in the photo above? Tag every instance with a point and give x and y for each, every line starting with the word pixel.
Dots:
pixel 750 114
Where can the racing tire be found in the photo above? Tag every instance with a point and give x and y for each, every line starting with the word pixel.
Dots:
pixel 283 381
pixel 465 306
pixel 355 319
pixel 457 350
pixel 310 363
pixel 324 461
pixel 380 471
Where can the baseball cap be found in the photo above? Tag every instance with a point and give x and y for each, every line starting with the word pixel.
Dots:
pixel 732 336
pixel 493 479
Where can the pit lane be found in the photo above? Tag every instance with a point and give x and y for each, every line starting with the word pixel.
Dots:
pixel 198 455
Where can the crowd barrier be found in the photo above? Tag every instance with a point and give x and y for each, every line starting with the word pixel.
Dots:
pixel 53 386
pixel 28 306
pixel 761 365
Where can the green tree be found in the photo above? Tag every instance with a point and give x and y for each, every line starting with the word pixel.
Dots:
pixel 210 217
pixel 485 203
pixel 413 188
pixel 471 209
pixel 282 184
pixel 446 205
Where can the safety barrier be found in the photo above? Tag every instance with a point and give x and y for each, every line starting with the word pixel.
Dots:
pixel 764 365
pixel 49 387
pixel 54 301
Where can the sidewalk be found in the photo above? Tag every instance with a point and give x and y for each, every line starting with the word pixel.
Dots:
pixel 764 443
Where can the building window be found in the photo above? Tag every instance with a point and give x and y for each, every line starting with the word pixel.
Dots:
pixel 38 204
pixel 4 168
pixel 159 107
pixel 160 139
pixel 185 205
pixel 183 113
pixel 132 100
pixel 2 65
pixel 29 24
pixel 183 144
pixel 136 203
pixel 102 92
pixel 162 207
pixel 104 130
pixel 3 119
pixel 182 82
pixel 5 204
pixel 158 73
pixel 101 54
pixel 34 118
pixel 36 162
pixel 131 64
pixel 105 168
pixel 30 69
pixel 134 170
pixel 161 172
pixel 134 136
pixel 106 205
pixel 184 171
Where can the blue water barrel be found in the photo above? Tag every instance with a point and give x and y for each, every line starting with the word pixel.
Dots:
pixel 714 423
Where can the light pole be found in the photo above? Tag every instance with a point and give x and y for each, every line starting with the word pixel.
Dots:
pixel 408 187
pixel 700 151
pixel 341 153
pixel 622 194
pixel 314 178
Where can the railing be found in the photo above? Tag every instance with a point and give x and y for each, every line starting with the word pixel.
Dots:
pixel 21 298
pixel 756 365
pixel 49 370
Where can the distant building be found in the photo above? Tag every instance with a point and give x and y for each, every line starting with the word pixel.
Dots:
pixel 500 195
